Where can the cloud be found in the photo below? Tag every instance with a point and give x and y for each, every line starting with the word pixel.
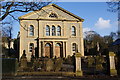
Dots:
pixel 86 29
pixel 102 24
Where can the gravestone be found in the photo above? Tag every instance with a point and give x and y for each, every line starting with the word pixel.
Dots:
pixel 49 65
pixel 23 62
pixel 78 64
pixel 99 61
pixel 44 62
pixel 58 64
pixel 36 64
pixel 90 61
pixel 113 71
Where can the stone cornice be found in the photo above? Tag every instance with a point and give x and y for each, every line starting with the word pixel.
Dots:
pixel 53 38
pixel 50 19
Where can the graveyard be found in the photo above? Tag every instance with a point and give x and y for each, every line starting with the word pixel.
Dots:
pixel 91 67
pixel 50 45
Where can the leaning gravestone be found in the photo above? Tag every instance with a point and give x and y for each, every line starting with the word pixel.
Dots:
pixel 49 65
pixel 58 64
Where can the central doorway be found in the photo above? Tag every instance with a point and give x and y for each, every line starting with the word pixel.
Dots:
pixel 48 50
pixel 58 50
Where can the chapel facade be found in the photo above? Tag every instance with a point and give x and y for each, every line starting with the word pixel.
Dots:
pixel 52 31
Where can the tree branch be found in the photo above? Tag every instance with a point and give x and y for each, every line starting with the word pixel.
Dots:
pixel 7 11
pixel 11 7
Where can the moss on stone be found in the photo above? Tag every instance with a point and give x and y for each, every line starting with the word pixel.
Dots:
pixel 111 54
pixel 113 72
pixel 79 73
pixel 78 55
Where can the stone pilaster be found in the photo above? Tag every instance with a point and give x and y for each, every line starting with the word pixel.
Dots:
pixel 56 31
pixel 78 64
pixel 63 49
pixel 53 49
pixel 81 39
pixel 40 54
pixel 42 48
pixel 50 31
pixel 66 49
pixel 113 71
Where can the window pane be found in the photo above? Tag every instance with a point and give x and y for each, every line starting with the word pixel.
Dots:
pixel 73 31
pixel 53 31
pixel 59 31
pixel 31 47
pixel 58 44
pixel 31 30
pixel 47 30
pixel 47 45
pixel 74 46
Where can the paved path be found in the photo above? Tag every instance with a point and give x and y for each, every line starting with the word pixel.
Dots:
pixel 60 78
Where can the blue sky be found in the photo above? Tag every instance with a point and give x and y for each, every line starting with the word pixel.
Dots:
pixel 96 16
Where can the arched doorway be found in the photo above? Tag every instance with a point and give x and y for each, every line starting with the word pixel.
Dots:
pixel 48 50
pixel 58 50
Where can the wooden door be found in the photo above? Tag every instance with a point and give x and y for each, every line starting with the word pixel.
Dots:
pixel 47 50
pixel 58 50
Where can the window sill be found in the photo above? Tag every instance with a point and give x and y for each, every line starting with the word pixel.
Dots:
pixel 73 36
pixel 31 36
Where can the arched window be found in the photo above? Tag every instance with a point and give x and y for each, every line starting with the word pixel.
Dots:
pixel 47 45
pixel 31 47
pixel 47 30
pixel 58 31
pixel 53 15
pixel 31 30
pixel 73 31
pixel 58 44
pixel 53 31
pixel 74 47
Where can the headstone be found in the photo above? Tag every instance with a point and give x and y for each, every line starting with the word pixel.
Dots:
pixel 113 71
pixel 99 62
pixel 90 61
pixel 44 63
pixel 23 62
pixel 69 60
pixel 36 64
pixel 49 65
pixel 78 64
pixel 58 64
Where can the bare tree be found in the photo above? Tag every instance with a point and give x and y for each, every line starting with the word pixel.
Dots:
pixel 10 7
pixel 114 6
pixel 9 30
pixel 7 34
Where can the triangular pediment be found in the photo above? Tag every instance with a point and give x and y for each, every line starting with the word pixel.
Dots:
pixel 51 11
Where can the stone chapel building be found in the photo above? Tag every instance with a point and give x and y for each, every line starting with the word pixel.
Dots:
pixel 52 31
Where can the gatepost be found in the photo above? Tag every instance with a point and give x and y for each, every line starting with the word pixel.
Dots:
pixel 78 64
pixel 113 71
